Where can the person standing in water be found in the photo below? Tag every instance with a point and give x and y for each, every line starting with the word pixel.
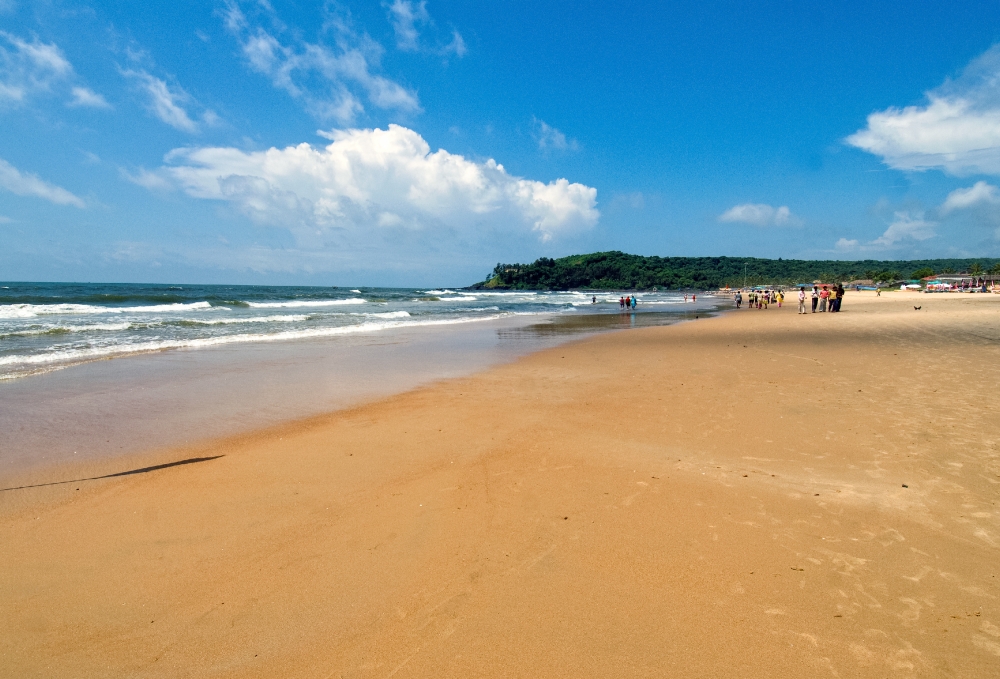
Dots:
pixel 634 302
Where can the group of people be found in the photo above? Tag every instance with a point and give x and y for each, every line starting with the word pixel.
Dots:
pixel 824 298
pixel 759 299
pixel 829 298
pixel 627 302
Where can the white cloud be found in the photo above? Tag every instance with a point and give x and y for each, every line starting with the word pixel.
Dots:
pixel 146 179
pixel 27 68
pixel 979 193
pixel 957 131
pixel 27 184
pixel 760 214
pixel 165 102
pixel 369 185
pixel 6 220
pixel 83 96
pixel 408 18
pixel 456 46
pixel 549 137
pixel 846 245
pixel 906 226
pixel 345 71
pixel 405 17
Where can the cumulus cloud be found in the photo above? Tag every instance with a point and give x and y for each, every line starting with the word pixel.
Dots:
pixel 372 184
pixel 28 184
pixel 409 18
pixel 83 96
pixel 549 137
pixel 166 102
pixel 906 226
pixel 957 130
pixel 978 194
pixel 344 71
pixel 760 214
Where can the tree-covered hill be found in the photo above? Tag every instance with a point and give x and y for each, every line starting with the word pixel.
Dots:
pixel 621 271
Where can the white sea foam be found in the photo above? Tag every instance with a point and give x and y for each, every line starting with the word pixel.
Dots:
pixel 33 310
pixel 386 314
pixel 287 318
pixel 306 303
pixel 52 329
pixel 82 354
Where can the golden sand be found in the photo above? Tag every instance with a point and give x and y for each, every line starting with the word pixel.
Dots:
pixel 721 498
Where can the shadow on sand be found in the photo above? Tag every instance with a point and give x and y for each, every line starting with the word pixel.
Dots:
pixel 142 470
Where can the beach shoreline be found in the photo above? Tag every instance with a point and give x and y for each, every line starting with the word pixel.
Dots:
pixel 792 489
pixel 92 416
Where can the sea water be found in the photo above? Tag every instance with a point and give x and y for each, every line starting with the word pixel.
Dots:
pixel 49 326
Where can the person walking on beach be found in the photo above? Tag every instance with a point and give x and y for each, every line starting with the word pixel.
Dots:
pixel 824 295
pixel 802 300
pixel 815 298
pixel 739 299
pixel 840 295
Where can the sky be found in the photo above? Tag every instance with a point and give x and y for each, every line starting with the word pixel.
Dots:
pixel 410 143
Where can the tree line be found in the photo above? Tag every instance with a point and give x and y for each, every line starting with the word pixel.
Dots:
pixel 622 271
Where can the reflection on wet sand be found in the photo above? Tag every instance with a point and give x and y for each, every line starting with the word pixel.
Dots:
pixel 587 323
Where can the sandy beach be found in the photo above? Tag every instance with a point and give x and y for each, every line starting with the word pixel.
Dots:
pixel 756 494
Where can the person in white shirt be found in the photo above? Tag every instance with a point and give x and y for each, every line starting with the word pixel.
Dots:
pixel 802 300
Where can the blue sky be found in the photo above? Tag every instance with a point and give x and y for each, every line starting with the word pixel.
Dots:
pixel 419 143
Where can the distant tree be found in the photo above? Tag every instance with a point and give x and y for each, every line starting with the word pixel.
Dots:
pixel 922 273
pixel 947 269
pixel 975 269
pixel 995 269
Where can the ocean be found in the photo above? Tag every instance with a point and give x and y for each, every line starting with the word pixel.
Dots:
pixel 50 326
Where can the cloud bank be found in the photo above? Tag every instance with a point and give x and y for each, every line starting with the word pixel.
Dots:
pixel 760 214
pixel 957 131
pixel 378 184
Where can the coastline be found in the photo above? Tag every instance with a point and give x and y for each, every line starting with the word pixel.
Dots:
pixel 601 507
pixel 92 416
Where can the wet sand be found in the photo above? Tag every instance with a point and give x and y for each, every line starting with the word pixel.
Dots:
pixel 99 412
pixel 758 494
